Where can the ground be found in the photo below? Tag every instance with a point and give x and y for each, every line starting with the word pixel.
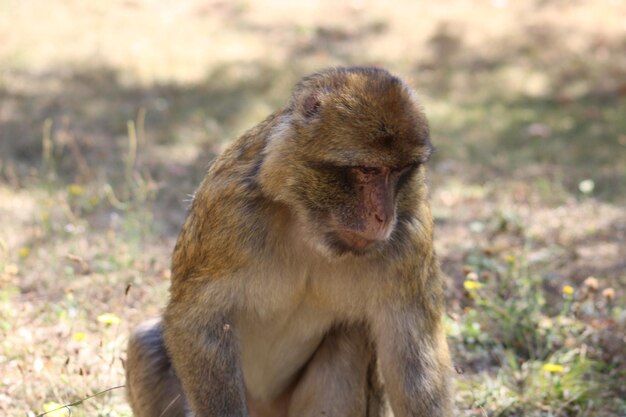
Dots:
pixel 110 112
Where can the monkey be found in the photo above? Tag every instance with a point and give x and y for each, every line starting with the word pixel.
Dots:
pixel 304 279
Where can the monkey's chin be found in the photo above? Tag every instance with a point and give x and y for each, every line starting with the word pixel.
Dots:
pixel 344 242
pixel 334 242
pixel 355 241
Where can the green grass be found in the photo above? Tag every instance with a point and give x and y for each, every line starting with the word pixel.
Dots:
pixel 542 358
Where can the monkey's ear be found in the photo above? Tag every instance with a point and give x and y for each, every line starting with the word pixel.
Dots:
pixel 311 105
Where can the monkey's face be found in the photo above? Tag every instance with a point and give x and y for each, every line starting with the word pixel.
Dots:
pixel 356 153
pixel 353 208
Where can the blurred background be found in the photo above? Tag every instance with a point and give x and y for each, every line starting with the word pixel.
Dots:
pixel 111 111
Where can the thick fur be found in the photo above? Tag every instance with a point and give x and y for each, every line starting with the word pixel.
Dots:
pixel 271 313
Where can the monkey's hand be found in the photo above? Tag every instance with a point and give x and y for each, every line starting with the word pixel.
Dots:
pixel 414 362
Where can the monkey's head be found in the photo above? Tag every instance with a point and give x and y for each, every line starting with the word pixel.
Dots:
pixel 347 157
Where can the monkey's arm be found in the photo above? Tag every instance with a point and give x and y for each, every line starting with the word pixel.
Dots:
pixel 205 353
pixel 413 354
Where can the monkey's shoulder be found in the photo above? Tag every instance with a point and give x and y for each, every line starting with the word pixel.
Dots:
pixel 225 227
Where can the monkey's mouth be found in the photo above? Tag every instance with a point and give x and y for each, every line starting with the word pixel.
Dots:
pixel 354 240
pixel 343 239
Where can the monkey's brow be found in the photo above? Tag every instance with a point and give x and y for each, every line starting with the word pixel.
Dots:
pixel 334 165
pixel 324 164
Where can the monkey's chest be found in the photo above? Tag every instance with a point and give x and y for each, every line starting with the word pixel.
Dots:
pixel 277 345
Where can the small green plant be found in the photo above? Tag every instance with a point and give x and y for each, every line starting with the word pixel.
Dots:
pixel 531 355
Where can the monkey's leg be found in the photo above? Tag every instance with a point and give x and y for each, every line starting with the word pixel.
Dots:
pixel 152 387
pixel 337 380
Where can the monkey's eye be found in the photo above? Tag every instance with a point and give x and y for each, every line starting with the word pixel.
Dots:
pixel 404 173
pixel 366 170
pixel 406 168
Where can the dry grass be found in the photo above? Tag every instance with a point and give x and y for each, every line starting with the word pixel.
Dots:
pixel 110 111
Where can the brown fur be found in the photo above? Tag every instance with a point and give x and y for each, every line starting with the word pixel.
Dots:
pixel 305 272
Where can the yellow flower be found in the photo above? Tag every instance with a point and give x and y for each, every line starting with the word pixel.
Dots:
pixel 568 290
pixel 75 189
pixel 23 252
pixel 553 368
pixel 108 318
pixel 471 285
pixel 58 411
pixel 79 336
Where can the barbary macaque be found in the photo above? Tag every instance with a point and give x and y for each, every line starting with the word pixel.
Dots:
pixel 304 280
